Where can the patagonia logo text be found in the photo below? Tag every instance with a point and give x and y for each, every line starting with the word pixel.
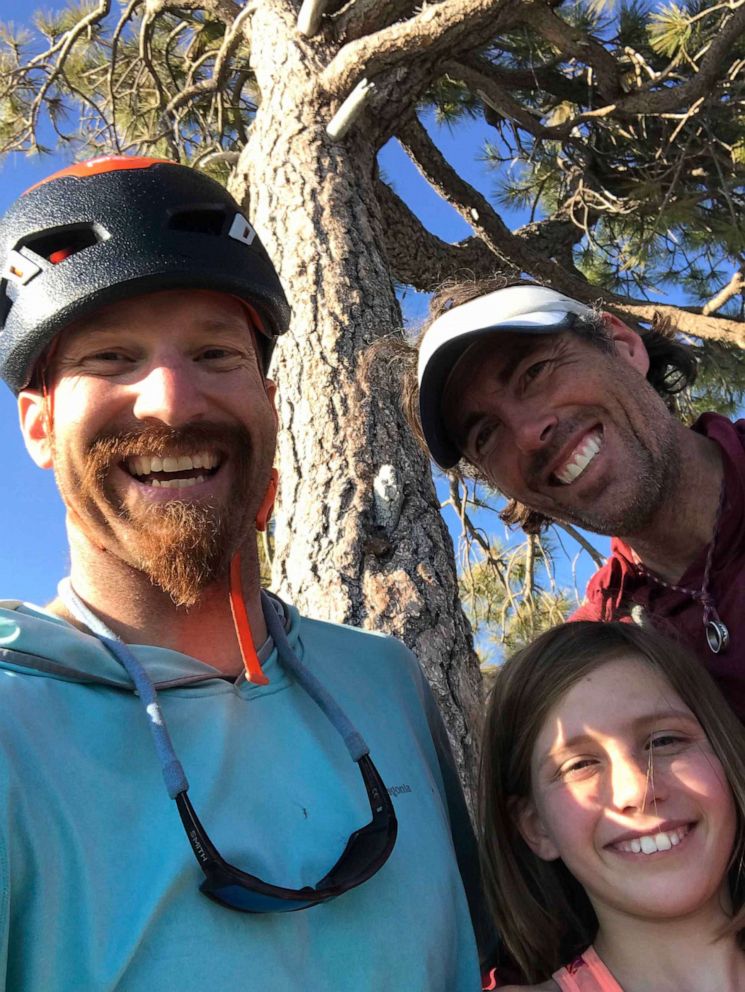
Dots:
pixel 396 790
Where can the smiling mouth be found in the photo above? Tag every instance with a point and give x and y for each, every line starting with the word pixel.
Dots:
pixel 173 472
pixel 663 840
pixel 580 458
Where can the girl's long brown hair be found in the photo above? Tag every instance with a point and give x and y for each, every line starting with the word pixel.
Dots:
pixel 542 912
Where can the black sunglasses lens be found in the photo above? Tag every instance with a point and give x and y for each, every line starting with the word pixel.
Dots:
pixel 366 847
pixel 366 851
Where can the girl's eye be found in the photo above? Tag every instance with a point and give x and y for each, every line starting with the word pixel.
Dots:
pixel 577 767
pixel 665 741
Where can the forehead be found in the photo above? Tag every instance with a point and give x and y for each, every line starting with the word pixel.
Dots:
pixel 610 701
pixel 183 311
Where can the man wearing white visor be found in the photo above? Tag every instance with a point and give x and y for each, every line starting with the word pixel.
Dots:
pixel 569 413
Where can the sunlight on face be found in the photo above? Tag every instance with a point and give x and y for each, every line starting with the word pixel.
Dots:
pixel 629 794
pixel 163 434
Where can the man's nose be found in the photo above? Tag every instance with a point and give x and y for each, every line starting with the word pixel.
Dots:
pixel 168 393
pixel 533 429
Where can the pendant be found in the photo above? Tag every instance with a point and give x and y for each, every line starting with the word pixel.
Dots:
pixel 717 635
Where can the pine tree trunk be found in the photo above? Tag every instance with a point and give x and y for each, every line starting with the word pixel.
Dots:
pixel 359 537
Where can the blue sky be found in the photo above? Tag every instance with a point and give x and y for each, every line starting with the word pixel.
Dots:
pixel 35 553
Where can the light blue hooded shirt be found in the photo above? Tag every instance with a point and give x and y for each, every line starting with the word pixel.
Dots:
pixel 99 889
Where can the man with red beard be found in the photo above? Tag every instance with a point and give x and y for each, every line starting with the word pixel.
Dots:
pixel 139 312
pixel 569 413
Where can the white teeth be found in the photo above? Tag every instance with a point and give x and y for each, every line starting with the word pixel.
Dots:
pixel 581 458
pixel 176 483
pixel 146 465
pixel 652 843
pixel 663 842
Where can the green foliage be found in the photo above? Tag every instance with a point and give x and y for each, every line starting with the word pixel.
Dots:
pixel 658 199
pixel 720 384
pixel 504 616
pixel 108 97
pixel 450 100
pixel 509 591
pixel 670 30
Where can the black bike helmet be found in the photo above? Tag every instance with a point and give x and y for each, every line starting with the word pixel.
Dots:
pixel 116 227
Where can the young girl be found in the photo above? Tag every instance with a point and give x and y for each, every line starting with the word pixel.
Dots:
pixel 612 811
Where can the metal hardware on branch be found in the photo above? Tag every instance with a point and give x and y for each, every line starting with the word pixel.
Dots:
pixel 309 18
pixel 350 110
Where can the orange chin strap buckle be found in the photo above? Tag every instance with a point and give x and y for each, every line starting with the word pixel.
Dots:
pixel 251 661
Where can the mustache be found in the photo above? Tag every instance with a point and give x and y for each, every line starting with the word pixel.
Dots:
pixel 158 440
pixel 110 447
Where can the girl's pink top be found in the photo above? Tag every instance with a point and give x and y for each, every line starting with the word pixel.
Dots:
pixel 586 973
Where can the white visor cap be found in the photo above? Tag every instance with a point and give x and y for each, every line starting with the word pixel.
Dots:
pixel 520 309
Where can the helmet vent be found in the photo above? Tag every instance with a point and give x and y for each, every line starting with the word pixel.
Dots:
pixel 55 246
pixel 204 221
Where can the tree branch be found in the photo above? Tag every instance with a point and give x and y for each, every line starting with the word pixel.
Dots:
pixel 421 259
pixel 222 10
pixel 574 41
pixel 733 287
pixel 514 252
pixel 469 203
pixel 498 97
pixel 123 20
pixel 473 533
pixel 688 320
pixel 368 16
pixel 579 537
pixel 540 78
pixel 230 43
pixel 709 70
pixel 64 46
pixel 551 236
pixel 446 26
pixel 647 99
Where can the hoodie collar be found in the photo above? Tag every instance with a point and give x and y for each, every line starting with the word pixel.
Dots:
pixel 36 642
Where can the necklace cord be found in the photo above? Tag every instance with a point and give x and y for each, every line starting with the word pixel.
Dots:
pixel 717 635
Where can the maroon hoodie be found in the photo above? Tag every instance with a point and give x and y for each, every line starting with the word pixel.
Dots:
pixel 618 587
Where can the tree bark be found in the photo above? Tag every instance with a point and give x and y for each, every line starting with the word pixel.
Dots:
pixel 359 538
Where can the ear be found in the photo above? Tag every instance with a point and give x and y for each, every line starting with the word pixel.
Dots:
pixel 271 391
pixel 33 415
pixel 628 343
pixel 532 830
